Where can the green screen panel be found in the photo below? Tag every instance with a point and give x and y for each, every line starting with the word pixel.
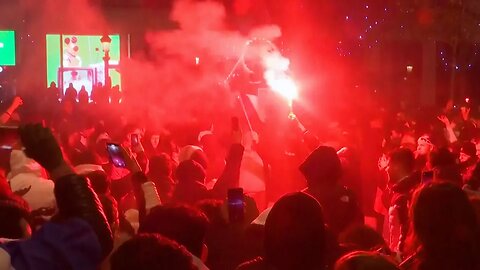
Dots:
pixel 7 48
pixel 82 55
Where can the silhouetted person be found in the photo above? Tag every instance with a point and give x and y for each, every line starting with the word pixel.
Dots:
pixel 295 235
pixel 52 94
pixel 149 252
pixel 361 260
pixel 83 96
pixel 401 182
pixel 71 93
pixel 445 230
pixel 322 170
pixel 191 183
pixel 185 225
pixel 160 172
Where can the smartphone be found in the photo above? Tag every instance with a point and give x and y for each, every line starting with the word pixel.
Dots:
pixel 236 205
pixel 427 177
pixel 9 136
pixel 116 155
pixel 134 140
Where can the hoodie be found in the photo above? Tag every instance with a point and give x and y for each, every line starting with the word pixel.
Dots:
pixel 26 180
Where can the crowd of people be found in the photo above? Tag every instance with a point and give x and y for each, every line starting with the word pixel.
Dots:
pixel 402 192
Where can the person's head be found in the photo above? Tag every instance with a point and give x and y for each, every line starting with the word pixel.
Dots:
pixel 424 145
pixel 401 164
pixel 97 176
pixel 83 95
pixel 160 166
pixel 442 157
pixel 362 260
pixel 155 140
pixel 191 152
pixel 468 132
pixel 52 84
pixel 362 237
pixel 127 135
pixel 322 167
pixel 295 235
pixel 14 216
pixel 468 152
pixel 444 224
pixel 185 225
pixel 70 85
pixel 100 146
pixel 190 171
pixel 151 252
pixel 213 210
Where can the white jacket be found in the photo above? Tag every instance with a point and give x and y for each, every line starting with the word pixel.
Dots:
pixel 26 178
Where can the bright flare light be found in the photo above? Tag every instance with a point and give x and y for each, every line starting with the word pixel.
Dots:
pixel 282 84
pixel 276 76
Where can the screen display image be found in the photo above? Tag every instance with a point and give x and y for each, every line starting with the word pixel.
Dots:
pixel 7 48
pixel 78 60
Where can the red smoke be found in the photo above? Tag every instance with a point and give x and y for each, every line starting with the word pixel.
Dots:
pixel 168 84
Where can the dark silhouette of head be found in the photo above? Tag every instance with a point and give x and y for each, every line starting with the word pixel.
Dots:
pixel 362 260
pixel 190 171
pixel 149 252
pixel 295 233
pixel 322 167
pixel 402 163
pixel 185 225
pixel 362 237
pixel 445 227
pixel 160 166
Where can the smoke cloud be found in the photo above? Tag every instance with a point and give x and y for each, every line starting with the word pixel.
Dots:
pixel 168 75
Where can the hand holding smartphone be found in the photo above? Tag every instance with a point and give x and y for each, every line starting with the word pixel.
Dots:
pixel 116 155
pixel 236 205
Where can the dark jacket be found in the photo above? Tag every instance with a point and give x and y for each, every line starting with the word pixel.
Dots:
pixel 231 173
pixel 78 237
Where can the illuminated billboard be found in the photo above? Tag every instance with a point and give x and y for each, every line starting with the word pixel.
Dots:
pixel 78 60
pixel 7 48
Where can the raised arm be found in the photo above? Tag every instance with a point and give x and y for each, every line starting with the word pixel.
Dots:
pixel 75 198
pixel 6 115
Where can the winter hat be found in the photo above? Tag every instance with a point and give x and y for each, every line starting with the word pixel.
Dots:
pixel 190 171
pixel 193 152
pixel 97 176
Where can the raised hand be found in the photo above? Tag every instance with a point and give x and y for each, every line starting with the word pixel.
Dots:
pixel 383 162
pixel 130 161
pixel 444 119
pixel 17 102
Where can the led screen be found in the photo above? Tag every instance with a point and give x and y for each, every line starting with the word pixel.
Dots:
pixel 7 48
pixel 78 60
